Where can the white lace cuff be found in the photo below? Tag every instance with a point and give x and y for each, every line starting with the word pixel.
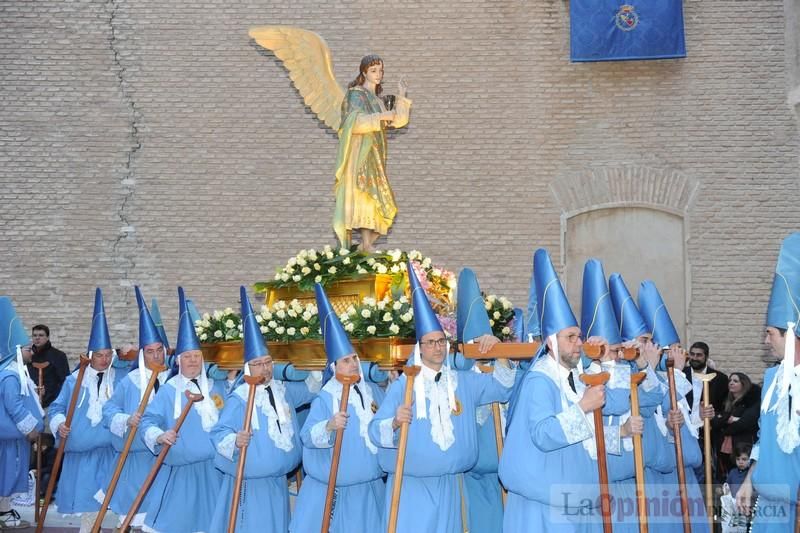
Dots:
pixel 320 436
pixel 612 436
pixel 119 424
pixel 754 452
pixel 574 424
pixel 682 385
pixel 27 424
pixel 314 381
pixel 56 421
pixel 627 444
pixel 150 437
pixel 227 446
pixel 387 433
pixel 651 381
pixel 504 375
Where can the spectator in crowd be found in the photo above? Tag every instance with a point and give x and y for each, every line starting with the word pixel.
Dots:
pixel 739 472
pixel 58 369
pixel 737 422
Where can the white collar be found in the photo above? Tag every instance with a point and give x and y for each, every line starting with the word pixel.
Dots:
pixel 430 374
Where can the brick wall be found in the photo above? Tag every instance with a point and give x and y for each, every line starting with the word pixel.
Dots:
pixel 153 142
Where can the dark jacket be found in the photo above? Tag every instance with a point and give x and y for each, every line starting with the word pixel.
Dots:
pixel 54 374
pixel 745 429
pixel 717 389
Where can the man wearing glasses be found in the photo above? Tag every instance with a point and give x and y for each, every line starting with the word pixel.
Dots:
pixel 274 447
pixel 547 463
pixel 442 436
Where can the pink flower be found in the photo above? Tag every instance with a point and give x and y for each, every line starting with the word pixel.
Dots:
pixel 422 276
pixel 448 324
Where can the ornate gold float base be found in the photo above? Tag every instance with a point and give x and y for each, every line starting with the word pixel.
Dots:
pixel 341 294
pixel 388 352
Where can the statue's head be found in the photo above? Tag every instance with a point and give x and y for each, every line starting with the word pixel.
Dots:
pixel 371 60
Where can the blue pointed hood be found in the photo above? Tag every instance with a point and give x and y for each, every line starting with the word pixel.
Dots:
pixel 194 314
pixel 555 313
pixel 425 320
pixel 99 339
pixel 148 332
pixel 631 323
pixel 533 326
pixel 784 299
pixel 656 316
pixel 337 343
pixel 597 312
pixel 187 337
pixel 155 312
pixel 12 332
pixel 254 346
pixel 471 318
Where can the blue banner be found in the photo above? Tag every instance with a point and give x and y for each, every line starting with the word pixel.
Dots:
pixel 613 30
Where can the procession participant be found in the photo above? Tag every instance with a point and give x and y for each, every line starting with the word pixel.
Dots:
pixel 775 473
pixel 186 489
pixel 88 454
pixel 549 434
pixel 659 322
pixel 21 416
pixel 599 325
pixel 484 499
pixel 119 415
pixel 659 457
pixel 155 312
pixel 358 501
pixel 274 448
pixel 442 438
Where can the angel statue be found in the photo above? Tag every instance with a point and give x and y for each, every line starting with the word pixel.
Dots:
pixel 364 199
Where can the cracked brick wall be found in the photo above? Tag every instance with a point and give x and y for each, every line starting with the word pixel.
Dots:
pixel 154 143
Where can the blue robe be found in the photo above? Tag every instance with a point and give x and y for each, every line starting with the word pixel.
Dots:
pixel 433 498
pixel 662 481
pixel 776 477
pixel 122 404
pixel 484 496
pixel 264 500
pixel 88 455
pixel 551 478
pixel 620 454
pixel 19 415
pixel 185 492
pixel 358 499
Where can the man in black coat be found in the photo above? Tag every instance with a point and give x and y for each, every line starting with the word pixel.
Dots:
pixel 58 369
pixel 53 377
pixel 717 391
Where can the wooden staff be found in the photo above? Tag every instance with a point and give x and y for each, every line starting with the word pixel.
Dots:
pixel 706 378
pixel 676 431
pixel 155 370
pixel 498 429
pixel 51 484
pixel 410 372
pixel 638 454
pixel 593 380
pixel 253 382
pixel 346 381
pixel 40 389
pixel 151 476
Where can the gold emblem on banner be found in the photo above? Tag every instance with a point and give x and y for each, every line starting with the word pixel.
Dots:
pixel 374 407
pixel 459 409
pixel 218 401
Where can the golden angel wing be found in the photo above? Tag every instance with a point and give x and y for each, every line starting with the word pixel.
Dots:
pixel 308 59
